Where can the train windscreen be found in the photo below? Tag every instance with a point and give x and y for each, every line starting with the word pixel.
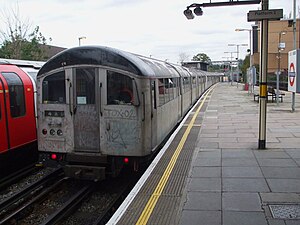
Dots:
pixel 54 89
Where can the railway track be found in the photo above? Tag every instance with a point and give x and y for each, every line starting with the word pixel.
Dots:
pixel 18 175
pixel 16 195
pixel 102 202
pixel 56 199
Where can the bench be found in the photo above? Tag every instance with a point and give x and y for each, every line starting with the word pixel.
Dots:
pixel 273 94
pixel 256 97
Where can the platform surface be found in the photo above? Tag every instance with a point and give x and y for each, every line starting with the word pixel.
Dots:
pixel 217 175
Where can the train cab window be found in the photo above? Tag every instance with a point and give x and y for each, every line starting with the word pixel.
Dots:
pixel 54 89
pixel 85 86
pixel 16 94
pixel 119 89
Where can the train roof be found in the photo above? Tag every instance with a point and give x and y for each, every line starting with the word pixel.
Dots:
pixel 198 72
pixel 22 63
pixel 110 57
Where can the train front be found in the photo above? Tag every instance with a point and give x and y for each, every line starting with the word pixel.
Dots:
pixel 89 112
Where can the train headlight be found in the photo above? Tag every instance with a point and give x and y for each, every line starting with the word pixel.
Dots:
pixel 52 131
pixel 44 131
pixel 59 132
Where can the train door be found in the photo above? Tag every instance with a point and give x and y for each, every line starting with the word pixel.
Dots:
pixel 3 122
pixel 153 114
pixel 86 116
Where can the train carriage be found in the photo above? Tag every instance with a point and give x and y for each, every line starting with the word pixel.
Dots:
pixel 17 113
pixel 99 108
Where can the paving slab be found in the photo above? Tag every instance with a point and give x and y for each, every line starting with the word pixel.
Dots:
pixel 241 201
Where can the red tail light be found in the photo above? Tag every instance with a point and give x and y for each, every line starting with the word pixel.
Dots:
pixel 53 156
pixel 126 160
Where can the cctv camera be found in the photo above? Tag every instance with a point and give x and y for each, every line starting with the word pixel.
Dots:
pixel 188 14
pixel 198 11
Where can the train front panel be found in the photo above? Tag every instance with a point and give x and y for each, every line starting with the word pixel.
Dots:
pixel 89 115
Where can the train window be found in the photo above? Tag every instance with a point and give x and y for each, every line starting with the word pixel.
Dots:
pixel 54 89
pixel 186 84
pixel 153 93
pixel 161 90
pixel 177 87
pixel 172 88
pixel 16 94
pixel 168 89
pixel 194 82
pixel 119 89
pixel 85 85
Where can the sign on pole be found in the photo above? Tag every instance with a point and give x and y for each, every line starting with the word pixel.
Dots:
pixel 293 71
pixel 271 14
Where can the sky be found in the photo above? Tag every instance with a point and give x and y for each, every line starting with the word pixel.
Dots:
pixel 153 28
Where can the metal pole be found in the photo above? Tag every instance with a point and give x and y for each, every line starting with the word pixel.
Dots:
pixel 278 71
pixel 295 47
pixel 263 79
pixel 231 77
pixel 250 59
pixel 238 69
pixel 250 46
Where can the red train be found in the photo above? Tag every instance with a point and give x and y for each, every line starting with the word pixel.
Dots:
pixel 17 112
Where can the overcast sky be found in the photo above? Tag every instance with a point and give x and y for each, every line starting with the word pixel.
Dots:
pixel 147 27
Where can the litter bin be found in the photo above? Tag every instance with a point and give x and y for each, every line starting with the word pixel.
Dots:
pixel 246 87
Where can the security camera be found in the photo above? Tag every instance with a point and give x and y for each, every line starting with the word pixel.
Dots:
pixel 188 14
pixel 198 11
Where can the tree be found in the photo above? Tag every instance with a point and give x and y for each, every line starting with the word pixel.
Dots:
pixel 245 64
pixel 202 57
pixel 183 57
pixel 18 42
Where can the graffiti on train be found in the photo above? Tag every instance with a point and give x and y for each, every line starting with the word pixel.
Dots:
pixel 121 113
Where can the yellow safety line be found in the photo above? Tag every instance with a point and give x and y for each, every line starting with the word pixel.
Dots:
pixel 163 181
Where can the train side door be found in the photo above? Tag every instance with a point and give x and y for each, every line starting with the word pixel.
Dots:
pixel 86 116
pixel 3 121
pixel 153 113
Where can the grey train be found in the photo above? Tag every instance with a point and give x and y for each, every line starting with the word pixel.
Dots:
pixel 100 108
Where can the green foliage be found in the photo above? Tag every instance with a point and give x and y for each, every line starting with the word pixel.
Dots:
pixel 202 57
pixel 19 46
pixel 246 64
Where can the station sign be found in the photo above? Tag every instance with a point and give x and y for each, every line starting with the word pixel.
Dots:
pixel 271 14
pixel 294 71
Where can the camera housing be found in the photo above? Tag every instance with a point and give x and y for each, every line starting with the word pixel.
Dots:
pixel 198 11
pixel 188 14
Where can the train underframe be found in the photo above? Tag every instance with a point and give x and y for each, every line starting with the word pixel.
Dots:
pixel 93 167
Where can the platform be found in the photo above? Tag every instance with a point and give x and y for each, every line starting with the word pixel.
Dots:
pixel 212 172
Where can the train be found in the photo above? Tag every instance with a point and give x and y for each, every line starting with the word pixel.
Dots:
pixel 18 136
pixel 100 108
